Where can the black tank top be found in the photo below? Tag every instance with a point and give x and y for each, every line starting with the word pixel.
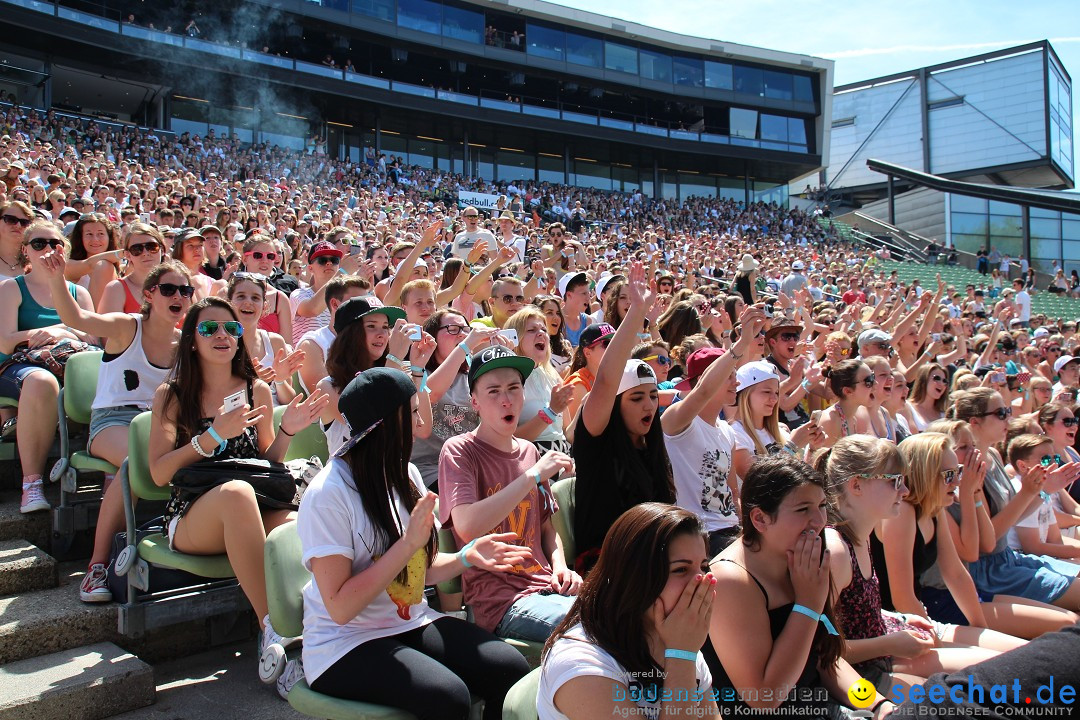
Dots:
pixel 923 557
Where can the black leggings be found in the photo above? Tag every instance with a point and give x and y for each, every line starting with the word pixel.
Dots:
pixel 429 671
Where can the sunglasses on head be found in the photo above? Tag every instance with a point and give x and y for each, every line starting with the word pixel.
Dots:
pixel 138 249
pixel 40 244
pixel 1048 460
pixel 327 260
pixel 454 329
pixel 1002 413
pixel 952 474
pixel 170 289
pixel 209 328
pixel 897 479
pixel 12 220
pixel 260 255
pixel 662 360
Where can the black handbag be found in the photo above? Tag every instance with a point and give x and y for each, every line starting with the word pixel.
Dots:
pixel 274 483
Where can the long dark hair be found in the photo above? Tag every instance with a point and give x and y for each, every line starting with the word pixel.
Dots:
pixel 639 474
pixel 379 465
pixel 78 250
pixel 625 583
pixel 348 355
pixel 154 276
pixel 678 321
pixel 185 381
pixel 765 486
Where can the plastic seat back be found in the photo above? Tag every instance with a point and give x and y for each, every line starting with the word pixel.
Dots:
pixel 286 577
pixel 80 385
pixel 311 441
pixel 520 701
pixel 563 490
pixel 142 484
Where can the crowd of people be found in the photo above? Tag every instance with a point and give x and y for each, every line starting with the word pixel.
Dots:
pixel 768 439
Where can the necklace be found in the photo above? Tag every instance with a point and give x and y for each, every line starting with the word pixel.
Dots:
pixel 11 266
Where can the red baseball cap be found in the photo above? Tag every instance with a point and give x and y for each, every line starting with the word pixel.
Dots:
pixel 698 362
pixel 323 248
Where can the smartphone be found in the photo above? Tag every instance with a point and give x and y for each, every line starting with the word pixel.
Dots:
pixel 416 334
pixel 144 217
pixel 936 337
pixel 234 401
pixel 997 378
pixel 356 249
pixel 815 417
pixel 510 335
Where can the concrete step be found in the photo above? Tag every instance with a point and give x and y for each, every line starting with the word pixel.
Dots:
pixel 35 528
pixel 52 620
pixel 91 682
pixel 25 567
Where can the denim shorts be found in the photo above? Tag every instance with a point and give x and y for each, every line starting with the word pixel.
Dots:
pixel 12 378
pixel 534 616
pixel 101 418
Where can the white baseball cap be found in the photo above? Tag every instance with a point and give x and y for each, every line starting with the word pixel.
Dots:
pixel 1063 361
pixel 797 265
pixel 567 279
pixel 755 372
pixel 636 372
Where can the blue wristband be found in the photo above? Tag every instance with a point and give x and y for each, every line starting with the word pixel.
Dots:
pixel 465 349
pixel 681 655
pixel 220 440
pixel 803 610
pixel 462 551
pixel 550 413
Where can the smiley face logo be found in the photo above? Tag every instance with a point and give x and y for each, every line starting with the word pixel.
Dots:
pixel 862 693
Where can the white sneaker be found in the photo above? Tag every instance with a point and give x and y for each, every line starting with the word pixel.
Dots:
pixel 95 585
pixel 272 648
pixel 33 499
pixel 294 673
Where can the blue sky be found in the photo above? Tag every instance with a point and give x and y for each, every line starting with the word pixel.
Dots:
pixel 868 39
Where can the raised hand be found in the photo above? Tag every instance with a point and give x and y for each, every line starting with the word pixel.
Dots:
pixel 560 398
pixel 232 423
pixel 285 364
pixel 421 521
pixel 301 412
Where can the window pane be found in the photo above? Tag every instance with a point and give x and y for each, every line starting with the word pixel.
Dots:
pixel 584 50
pixel 1003 208
pixel 1045 249
pixel 545 42
pixel 804 88
pixel 620 57
pixel 778 85
pixel 381 9
pixel 422 15
pixel 655 66
pixel 1045 229
pixel 963 203
pixel 463 24
pixel 749 81
pixel 688 71
pixel 1005 226
pixel 718 75
pixel 552 169
pixel 796 131
pixel 774 128
pixel 743 123
pixel 969 224
pixel 1070 230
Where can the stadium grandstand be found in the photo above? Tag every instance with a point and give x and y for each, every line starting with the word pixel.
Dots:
pixel 283 271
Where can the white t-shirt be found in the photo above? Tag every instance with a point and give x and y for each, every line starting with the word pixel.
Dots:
pixel 538 395
pixel 332 522
pixel 700 462
pixel 573 656
pixel 1042 517
pixel 743 440
pixel 464 242
pixel 1023 305
pixel 303 325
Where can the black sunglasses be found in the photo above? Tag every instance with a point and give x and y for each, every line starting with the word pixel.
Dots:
pixel 170 289
pixel 327 260
pixel 869 381
pixel 1002 413
pixel 12 220
pixel 139 248
pixel 513 299
pixel 39 244
pixel 1070 422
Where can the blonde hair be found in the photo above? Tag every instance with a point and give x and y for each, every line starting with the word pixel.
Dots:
pixel 421 284
pixel 923 453
pixel 518 321
pixel 771 424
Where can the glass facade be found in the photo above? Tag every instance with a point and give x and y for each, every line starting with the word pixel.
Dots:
pixel 422 15
pixel 976 223
pixel 621 58
pixel 462 24
pixel 379 9
pixel 1060 106
pixel 655 66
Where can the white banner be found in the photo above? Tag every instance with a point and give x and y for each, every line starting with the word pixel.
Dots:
pixel 480 201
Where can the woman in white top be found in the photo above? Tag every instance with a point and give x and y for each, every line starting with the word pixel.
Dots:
pixel 271 354
pixel 544 415
pixel 929 395
pixel 630 643
pixel 139 351
pixel 367 530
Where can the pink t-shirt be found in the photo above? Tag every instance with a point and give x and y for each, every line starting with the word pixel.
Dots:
pixel 469 471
